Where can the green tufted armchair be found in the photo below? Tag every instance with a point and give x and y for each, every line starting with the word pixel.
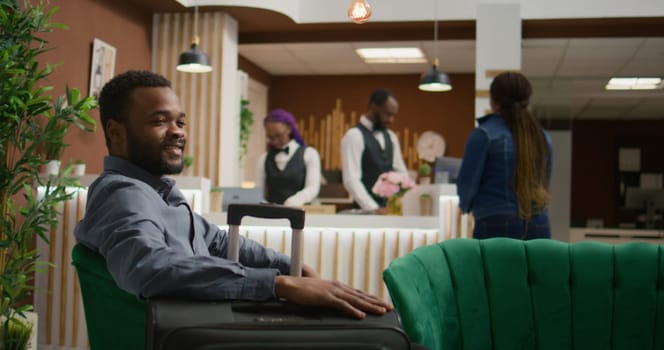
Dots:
pixel 502 293
pixel 115 318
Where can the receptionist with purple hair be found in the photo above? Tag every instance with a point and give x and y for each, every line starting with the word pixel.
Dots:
pixel 289 171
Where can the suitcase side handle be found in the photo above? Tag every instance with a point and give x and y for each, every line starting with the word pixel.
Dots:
pixel 266 211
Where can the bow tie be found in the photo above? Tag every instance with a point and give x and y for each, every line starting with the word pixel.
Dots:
pixel 277 151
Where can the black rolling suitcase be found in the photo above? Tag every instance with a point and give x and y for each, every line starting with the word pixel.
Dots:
pixel 172 324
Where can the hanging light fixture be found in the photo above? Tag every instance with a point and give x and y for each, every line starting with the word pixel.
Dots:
pixel 435 80
pixel 359 11
pixel 194 60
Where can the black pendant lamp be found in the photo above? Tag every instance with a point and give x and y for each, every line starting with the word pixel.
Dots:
pixel 194 60
pixel 435 80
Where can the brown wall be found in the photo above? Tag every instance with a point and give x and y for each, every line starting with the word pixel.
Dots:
pixel 121 25
pixel 448 113
pixel 595 163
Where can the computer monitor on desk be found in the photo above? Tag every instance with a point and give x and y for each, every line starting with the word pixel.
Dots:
pixel 240 195
pixel 446 169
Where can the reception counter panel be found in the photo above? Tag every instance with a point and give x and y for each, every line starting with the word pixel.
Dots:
pixel 616 235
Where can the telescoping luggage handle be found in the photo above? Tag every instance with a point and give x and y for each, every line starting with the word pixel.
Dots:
pixel 267 211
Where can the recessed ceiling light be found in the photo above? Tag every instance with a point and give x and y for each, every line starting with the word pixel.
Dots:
pixel 391 55
pixel 634 83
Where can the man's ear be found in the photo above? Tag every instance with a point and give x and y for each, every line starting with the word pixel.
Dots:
pixel 117 135
pixel 372 111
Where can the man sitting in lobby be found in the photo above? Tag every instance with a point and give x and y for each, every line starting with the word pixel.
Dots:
pixel 153 243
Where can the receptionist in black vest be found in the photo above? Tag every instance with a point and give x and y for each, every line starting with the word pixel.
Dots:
pixel 369 149
pixel 289 171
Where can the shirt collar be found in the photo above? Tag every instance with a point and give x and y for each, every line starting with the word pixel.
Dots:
pixel 163 185
pixel 367 123
pixel 483 119
pixel 292 146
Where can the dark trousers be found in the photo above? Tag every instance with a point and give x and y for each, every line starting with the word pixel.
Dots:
pixel 512 227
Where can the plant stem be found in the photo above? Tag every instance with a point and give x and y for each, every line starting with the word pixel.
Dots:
pixel 4 194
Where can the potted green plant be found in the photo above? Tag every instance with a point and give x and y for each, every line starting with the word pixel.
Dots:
pixel 30 121
pixel 426 204
pixel 52 154
pixel 187 162
pixel 216 198
pixel 79 167
pixel 53 145
pixel 424 172
pixel 246 121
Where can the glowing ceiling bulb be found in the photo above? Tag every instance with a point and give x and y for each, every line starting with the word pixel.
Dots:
pixel 359 11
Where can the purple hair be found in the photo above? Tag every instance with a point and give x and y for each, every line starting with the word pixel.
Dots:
pixel 284 116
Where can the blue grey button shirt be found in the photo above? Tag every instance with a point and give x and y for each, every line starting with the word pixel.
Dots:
pixel 155 245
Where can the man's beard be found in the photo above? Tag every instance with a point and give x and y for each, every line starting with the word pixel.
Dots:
pixel 150 158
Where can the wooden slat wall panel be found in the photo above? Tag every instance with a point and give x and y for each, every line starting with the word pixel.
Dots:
pixel 198 93
pixel 325 134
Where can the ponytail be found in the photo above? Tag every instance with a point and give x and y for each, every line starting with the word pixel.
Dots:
pixel 511 91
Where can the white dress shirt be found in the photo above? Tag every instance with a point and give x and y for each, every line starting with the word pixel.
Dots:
pixel 352 147
pixel 311 181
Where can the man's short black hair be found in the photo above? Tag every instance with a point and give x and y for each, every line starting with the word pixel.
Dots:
pixel 114 97
pixel 380 96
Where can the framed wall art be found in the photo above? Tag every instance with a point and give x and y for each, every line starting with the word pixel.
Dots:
pixel 102 67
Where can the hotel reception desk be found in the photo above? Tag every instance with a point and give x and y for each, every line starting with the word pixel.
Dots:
pixel 616 235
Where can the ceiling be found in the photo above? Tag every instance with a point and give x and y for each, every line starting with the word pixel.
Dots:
pixel 568 61
pixel 568 75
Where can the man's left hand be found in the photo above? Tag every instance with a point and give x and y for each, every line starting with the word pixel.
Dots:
pixel 308 271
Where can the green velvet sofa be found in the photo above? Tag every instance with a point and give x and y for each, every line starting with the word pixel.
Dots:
pixel 502 293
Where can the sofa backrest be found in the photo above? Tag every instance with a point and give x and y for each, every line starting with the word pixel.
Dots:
pixel 543 294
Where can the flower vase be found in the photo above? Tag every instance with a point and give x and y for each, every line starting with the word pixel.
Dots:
pixel 426 205
pixel 394 205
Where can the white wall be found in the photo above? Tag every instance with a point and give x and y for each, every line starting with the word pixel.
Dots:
pixel 258 106
pixel 561 185
pixel 497 47
pixel 229 102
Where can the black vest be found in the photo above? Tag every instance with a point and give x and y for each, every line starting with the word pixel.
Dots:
pixel 282 184
pixel 375 160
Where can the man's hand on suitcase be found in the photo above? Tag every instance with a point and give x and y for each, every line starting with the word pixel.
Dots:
pixel 308 271
pixel 332 294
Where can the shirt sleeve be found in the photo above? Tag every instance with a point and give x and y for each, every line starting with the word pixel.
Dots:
pixel 141 261
pixel 352 146
pixel 397 160
pixel 311 182
pixel 472 168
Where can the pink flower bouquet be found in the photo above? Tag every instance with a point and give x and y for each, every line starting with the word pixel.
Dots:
pixel 391 184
